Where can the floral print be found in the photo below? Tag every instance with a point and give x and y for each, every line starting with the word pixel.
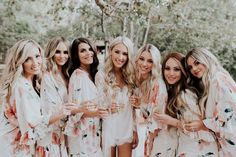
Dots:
pixel 83 133
pixel 165 143
pixel 221 112
pixel 31 123
pixel 53 95
pixel 194 144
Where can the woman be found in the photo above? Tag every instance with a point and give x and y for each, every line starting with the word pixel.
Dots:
pixel 116 81
pixel 153 99
pixel 217 100
pixel 182 108
pixel 83 128
pixel 54 91
pixel 21 107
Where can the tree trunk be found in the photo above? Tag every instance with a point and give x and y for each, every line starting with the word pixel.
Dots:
pixel 148 26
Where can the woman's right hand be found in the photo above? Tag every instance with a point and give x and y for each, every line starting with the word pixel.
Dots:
pixel 134 101
pixel 72 108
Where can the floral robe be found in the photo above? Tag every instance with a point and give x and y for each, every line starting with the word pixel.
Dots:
pixel 83 133
pixel 9 129
pixel 165 143
pixel 221 112
pixel 117 128
pixel 32 125
pixel 194 144
pixel 53 96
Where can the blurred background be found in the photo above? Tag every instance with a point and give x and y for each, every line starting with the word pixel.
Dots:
pixel 168 24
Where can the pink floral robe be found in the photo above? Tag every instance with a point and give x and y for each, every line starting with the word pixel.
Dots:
pixel 165 143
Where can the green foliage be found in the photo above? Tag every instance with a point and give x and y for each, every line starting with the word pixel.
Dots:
pixel 11 33
pixel 175 24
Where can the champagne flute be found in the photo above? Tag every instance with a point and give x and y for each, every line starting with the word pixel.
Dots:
pixel 120 104
pixel 137 94
pixel 188 118
pixel 103 104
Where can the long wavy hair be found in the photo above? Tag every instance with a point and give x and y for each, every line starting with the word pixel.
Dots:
pixel 212 65
pixel 127 70
pixel 50 52
pixel 147 85
pixel 174 91
pixel 16 56
pixel 75 57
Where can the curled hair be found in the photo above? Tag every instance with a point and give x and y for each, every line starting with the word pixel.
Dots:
pixel 75 57
pixel 127 70
pixel 212 65
pixel 50 52
pixel 16 56
pixel 174 91
pixel 147 85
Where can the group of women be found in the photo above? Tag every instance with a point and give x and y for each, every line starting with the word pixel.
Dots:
pixel 56 103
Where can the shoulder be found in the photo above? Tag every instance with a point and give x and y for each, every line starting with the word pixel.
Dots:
pixel 78 72
pixel 189 94
pixel 159 86
pixel 223 83
pixel 160 83
pixel 22 85
pixel 46 76
pixel 100 74
pixel 221 78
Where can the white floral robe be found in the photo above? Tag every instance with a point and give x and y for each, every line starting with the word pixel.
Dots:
pixel 32 125
pixel 221 112
pixel 53 96
pixel 194 144
pixel 83 133
pixel 165 143
pixel 117 128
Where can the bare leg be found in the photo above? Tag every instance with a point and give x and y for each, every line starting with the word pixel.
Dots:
pixel 125 150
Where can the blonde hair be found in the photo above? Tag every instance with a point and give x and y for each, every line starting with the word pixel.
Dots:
pixel 50 51
pixel 128 68
pixel 17 55
pixel 147 85
pixel 205 57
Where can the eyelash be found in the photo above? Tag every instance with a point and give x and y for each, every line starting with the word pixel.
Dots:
pixel 142 59
pixel 175 69
pixel 196 63
pixel 65 52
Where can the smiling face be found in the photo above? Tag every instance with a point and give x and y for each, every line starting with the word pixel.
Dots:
pixel 196 68
pixel 172 71
pixel 32 65
pixel 119 55
pixel 85 54
pixel 61 55
pixel 145 63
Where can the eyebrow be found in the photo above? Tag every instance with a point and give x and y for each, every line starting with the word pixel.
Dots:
pixel 120 50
